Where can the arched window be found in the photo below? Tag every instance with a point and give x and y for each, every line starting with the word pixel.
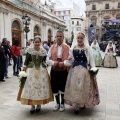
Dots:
pixel 16 31
pixel 36 31
pixel 16 25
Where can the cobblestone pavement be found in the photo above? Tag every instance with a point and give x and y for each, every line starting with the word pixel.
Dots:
pixel 108 109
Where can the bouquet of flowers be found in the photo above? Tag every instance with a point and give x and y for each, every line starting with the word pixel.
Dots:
pixel 94 71
pixel 22 78
pixel 114 54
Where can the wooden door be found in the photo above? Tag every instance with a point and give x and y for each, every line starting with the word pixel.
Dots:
pixel 35 34
pixel 16 35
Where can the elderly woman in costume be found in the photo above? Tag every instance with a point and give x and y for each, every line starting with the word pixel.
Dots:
pixel 37 89
pixel 81 87
pixel 96 53
pixel 110 60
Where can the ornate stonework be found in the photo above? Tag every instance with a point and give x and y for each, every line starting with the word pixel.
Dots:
pixel 12 27
pixel 101 10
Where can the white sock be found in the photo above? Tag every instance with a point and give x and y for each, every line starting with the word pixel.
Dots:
pixel 38 107
pixel 32 107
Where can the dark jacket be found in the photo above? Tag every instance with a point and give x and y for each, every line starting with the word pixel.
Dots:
pixel 2 60
pixel 7 51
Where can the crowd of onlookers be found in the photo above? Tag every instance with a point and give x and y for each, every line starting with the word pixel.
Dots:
pixel 7 54
pixel 12 55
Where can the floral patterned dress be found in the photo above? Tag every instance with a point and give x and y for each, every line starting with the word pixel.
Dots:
pixel 110 60
pixel 81 88
pixel 37 89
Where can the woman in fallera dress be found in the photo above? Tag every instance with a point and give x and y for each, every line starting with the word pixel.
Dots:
pixel 96 53
pixel 81 88
pixel 110 60
pixel 37 89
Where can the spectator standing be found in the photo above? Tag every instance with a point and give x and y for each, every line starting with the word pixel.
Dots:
pixel 9 46
pixel 7 56
pixel 2 63
pixel 16 57
pixel 45 46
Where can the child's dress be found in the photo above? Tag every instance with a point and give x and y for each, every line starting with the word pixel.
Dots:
pixel 37 89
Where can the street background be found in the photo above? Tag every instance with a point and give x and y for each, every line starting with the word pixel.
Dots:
pixel 108 109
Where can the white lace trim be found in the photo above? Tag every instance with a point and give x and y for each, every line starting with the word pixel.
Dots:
pixel 41 52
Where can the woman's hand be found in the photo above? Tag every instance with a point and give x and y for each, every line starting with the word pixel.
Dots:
pixel 69 58
pixel 55 63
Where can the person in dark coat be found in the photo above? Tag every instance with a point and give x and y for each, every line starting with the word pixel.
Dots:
pixel 7 56
pixel 9 46
pixel 2 63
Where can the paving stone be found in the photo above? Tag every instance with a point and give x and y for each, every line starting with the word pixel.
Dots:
pixel 109 108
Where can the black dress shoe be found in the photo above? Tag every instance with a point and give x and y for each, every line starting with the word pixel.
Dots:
pixel 76 112
pixel 14 74
pixel 37 110
pixel 83 108
pixel 32 111
pixel 2 80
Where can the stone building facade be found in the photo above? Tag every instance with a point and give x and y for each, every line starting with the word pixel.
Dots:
pixel 65 11
pixel 43 22
pixel 99 11
pixel 77 25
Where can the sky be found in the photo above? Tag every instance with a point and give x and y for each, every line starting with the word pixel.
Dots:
pixel 80 3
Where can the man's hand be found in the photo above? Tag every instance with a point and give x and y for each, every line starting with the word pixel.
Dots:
pixel 55 63
pixel 61 64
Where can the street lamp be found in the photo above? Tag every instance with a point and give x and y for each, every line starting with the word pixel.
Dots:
pixel 26 21
pixel 72 36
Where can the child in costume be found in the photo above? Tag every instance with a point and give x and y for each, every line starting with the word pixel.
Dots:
pixel 37 89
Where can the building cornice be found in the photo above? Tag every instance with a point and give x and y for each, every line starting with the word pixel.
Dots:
pixel 41 13
pixel 92 11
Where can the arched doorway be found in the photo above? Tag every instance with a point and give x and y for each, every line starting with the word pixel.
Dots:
pixel 49 37
pixel 16 31
pixel 36 31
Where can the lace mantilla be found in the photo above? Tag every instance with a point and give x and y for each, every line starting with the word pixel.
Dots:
pixel 41 52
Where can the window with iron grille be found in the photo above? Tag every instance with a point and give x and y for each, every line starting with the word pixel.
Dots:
pixel 93 7
pixel 107 6
pixel 77 22
pixel 118 5
pixel 93 21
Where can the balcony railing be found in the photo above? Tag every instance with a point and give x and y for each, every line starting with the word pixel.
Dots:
pixel 25 6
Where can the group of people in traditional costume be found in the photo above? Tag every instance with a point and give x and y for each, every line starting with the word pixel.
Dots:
pixel 70 81
pixel 109 60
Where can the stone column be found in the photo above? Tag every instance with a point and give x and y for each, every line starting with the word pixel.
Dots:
pixel 1 26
